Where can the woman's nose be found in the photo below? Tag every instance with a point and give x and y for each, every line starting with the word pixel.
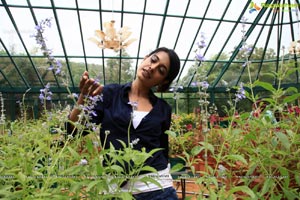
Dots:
pixel 153 66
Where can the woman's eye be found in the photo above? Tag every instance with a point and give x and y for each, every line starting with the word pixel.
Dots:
pixel 154 59
pixel 162 70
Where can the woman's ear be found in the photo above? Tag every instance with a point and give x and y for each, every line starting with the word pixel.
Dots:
pixel 165 82
pixel 163 86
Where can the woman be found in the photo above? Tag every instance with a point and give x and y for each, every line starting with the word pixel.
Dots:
pixel 151 115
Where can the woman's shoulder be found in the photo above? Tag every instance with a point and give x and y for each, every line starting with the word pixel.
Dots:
pixel 112 87
pixel 164 104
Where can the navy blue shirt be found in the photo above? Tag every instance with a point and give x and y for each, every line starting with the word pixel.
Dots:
pixel 114 114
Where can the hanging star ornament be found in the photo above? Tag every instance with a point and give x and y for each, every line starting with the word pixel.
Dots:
pixel 111 39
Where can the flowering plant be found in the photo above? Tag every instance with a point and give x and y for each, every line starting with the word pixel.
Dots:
pixel 182 133
pixel 254 158
pixel 39 159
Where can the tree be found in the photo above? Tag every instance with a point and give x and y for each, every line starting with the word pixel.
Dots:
pixel 116 72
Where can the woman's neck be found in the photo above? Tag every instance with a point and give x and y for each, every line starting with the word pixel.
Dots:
pixel 139 97
pixel 138 91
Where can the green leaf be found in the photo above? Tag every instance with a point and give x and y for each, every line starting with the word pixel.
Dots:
pixel 244 189
pixel 265 85
pixel 274 141
pixel 116 168
pixel 148 169
pixel 153 151
pixel 297 178
pixel 209 147
pixel 171 133
pixel 21 177
pixel 92 184
pixel 177 167
pixel 236 158
pixel 284 173
pixel 99 168
pixel 126 195
pixel 291 98
pixel 267 185
pixel 90 146
pixel 195 150
pixel 283 139
pixel 149 179
pixel 73 153
pixel 76 187
pixel 289 194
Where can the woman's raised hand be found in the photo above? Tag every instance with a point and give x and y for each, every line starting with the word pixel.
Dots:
pixel 88 86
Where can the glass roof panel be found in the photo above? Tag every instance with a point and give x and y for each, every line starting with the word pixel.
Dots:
pixel 170 23
pixel 217 9
pixel 71 37
pixel 65 3
pixel 156 7
pixel 197 8
pixel 43 3
pixel 134 5
pixel 9 34
pixel 90 4
pixel 170 31
pixel 150 32
pixel 16 2
pixel 234 10
pixel 174 9
pixel 88 29
pixel 188 33
pixel 10 69
pixel 51 35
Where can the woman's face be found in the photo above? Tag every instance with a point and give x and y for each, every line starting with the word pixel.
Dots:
pixel 154 69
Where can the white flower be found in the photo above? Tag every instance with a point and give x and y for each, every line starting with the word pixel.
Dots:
pixel 83 162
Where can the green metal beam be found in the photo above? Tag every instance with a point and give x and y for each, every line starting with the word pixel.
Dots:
pixel 81 36
pixel 62 43
pixel 15 65
pixel 141 36
pixel 163 23
pixel 235 52
pixel 192 46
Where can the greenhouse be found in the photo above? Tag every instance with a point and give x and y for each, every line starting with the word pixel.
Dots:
pixel 192 99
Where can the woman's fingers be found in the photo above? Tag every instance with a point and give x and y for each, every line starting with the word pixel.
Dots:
pixel 84 78
pixel 98 90
pixel 88 86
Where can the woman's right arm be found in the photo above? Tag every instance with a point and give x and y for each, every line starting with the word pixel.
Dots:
pixel 88 87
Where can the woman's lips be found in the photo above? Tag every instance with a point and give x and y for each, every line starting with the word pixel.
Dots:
pixel 146 74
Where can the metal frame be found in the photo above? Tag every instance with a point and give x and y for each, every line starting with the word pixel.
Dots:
pixel 265 18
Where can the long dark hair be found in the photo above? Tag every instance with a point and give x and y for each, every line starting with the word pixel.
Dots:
pixel 174 67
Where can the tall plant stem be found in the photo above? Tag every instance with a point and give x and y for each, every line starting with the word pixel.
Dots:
pixel 250 82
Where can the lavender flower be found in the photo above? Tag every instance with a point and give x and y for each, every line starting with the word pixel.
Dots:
pixel 244 20
pixel 41 41
pixel 91 102
pixel 204 85
pixel 2 117
pixel 134 142
pixel 88 111
pixel 45 94
pixel 200 57
pixel 73 95
pixel 200 45
pixel 176 88
pixel 83 161
pixel 240 93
